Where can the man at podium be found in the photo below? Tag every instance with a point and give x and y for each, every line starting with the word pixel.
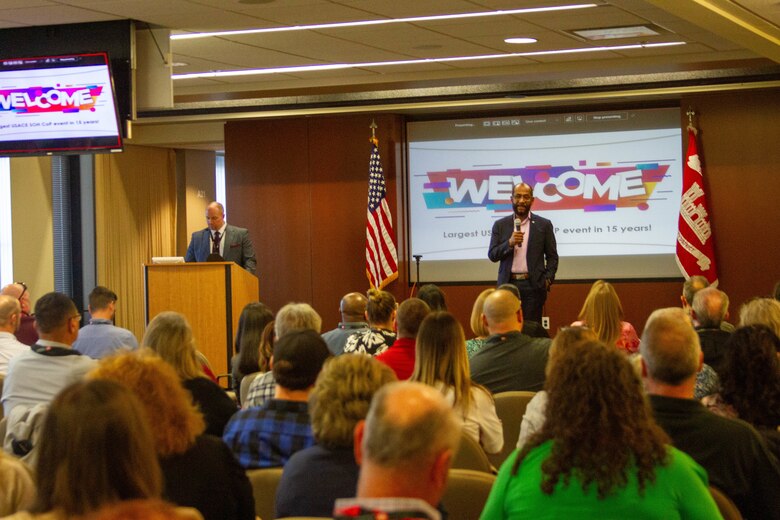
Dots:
pixel 220 239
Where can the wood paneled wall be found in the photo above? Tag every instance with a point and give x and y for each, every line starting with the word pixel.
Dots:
pixel 300 187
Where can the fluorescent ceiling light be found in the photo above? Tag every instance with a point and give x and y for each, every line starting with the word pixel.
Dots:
pixel 520 40
pixel 359 23
pixel 609 33
pixel 336 66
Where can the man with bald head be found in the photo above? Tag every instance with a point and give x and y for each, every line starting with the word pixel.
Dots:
pixel 524 245
pixel 231 243
pixel 353 319
pixel 509 359
pixel 404 449
pixel 10 316
pixel 733 453
pixel 26 332
pixel 710 307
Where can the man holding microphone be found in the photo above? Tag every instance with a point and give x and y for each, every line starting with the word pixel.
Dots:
pixel 524 245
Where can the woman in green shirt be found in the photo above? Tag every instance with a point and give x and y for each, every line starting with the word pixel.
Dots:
pixel 599 453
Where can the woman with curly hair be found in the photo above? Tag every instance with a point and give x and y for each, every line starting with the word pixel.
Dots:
pixel 599 453
pixel 533 418
pixel 254 317
pixel 603 313
pixel 169 335
pixel 315 477
pixel 750 382
pixel 200 471
pixel 380 313
pixel 441 362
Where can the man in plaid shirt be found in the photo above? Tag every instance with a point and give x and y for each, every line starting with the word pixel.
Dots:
pixel 266 436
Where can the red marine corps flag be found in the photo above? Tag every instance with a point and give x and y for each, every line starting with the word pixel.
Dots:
pixel 381 258
pixel 695 243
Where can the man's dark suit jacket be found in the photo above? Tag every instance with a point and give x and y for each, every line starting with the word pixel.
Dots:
pixel 238 248
pixel 542 253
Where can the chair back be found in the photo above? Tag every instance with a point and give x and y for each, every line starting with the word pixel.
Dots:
pixel 726 507
pixel 264 483
pixel 510 407
pixel 470 455
pixel 245 382
pixel 466 493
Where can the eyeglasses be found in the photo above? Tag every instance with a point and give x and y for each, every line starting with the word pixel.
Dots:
pixel 24 289
pixel 76 317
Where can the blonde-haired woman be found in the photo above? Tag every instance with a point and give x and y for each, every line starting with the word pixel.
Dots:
pixel 380 313
pixel 340 399
pixel 603 313
pixel 761 311
pixel 477 326
pixel 190 461
pixel 441 362
pixel 170 336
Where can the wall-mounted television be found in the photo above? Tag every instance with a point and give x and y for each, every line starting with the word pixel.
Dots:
pixel 58 105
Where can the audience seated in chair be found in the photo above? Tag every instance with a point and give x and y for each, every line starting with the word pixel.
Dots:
pixel 603 312
pixel 433 296
pixel 200 471
pixel 535 412
pixel 400 357
pixel 509 360
pixel 710 308
pixel 476 324
pixel 37 375
pixel 750 384
pixel 248 357
pixel 170 336
pixel 267 436
pixel 10 317
pixel 352 309
pixel 101 338
pixel 105 421
pixel 404 448
pixel 599 452
pixel 443 364
pixel 315 477
pixel 293 316
pixel 380 313
pixel 733 453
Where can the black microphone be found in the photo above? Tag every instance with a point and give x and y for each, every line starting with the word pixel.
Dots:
pixel 517 223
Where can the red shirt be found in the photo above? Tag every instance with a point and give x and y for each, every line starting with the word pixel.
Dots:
pixel 400 357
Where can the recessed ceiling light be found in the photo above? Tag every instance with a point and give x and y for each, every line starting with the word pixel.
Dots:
pixel 382 21
pixel 179 64
pixel 520 40
pixel 337 66
pixel 611 33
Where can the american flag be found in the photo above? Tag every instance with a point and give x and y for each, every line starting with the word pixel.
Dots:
pixel 381 258
pixel 695 243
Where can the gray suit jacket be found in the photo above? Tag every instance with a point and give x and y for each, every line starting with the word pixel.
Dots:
pixel 238 248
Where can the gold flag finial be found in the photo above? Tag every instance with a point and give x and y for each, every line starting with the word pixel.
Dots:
pixel 690 113
pixel 373 128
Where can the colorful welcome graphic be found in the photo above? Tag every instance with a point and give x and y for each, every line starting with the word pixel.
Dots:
pixel 50 99
pixel 601 188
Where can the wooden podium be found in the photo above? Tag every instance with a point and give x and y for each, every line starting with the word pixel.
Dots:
pixel 210 294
